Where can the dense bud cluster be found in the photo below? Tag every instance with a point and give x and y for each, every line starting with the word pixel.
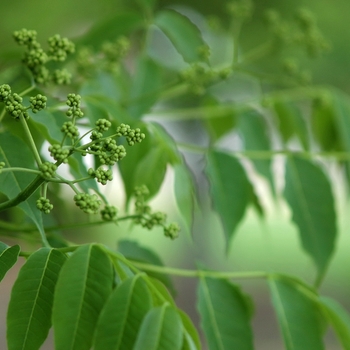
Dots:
pixel 5 92
pixel 101 175
pixel 25 37
pixel 59 153
pixel 13 105
pixel 60 47
pixel 73 102
pixel 48 170
pixel 44 205
pixel 103 125
pixel 132 135
pixel 61 77
pixel 108 213
pixel 70 130
pixel 172 230
pixel 37 103
pixel 88 203
pixel 109 152
pixel 35 58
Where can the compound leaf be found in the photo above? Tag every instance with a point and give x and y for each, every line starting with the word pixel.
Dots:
pixel 310 198
pixel 84 285
pixel 30 307
pixel 122 315
pixel 225 315
pixel 161 329
pixel 299 316
pixel 8 257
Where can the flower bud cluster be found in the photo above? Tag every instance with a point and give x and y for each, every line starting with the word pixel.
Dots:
pixel 101 175
pixel 59 153
pixel 73 102
pixel 35 58
pixel 88 203
pixel 146 218
pixel 109 213
pixel 70 129
pixel 44 205
pixel 13 105
pixel 48 170
pixel 37 103
pixel 132 135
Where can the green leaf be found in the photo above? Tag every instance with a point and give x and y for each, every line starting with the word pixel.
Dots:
pixel 255 134
pixel 46 124
pixel 184 195
pixel 132 250
pixel 146 87
pixel 231 191
pixel 310 198
pixel 147 4
pixel 161 329
pixel 8 257
pixel 15 153
pixel 323 123
pixel 122 23
pixel 225 315
pixel 184 35
pixel 290 122
pixel 191 336
pixel 30 307
pixel 83 287
pixel 122 315
pixel 160 293
pixel 339 318
pixel 298 315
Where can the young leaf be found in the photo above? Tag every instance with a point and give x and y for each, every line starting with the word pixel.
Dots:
pixel 145 88
pixel 255 134
pixel 310 198
pixel 298 315
pixel 177 27
pixel 122 315
pixel 8 257
pixel 225 315
pixel 161 329
pixel 230 189
pixel 30 307
pixel 83 287
pixel 184 195
pixel 339 318
pixel 132 250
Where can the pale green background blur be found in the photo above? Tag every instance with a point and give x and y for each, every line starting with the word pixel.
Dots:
pixel 258 245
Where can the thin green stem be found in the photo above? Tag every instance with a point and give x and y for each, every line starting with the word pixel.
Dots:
pixel 32 171
pixel 26 91
pixel 30 139
pixel 3 112
pixel 258 52
pixel 28 228
pixel 199 273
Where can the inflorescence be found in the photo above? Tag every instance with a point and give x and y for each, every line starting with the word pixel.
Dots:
pixel 36 59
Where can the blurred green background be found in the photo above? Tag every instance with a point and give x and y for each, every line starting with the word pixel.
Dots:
pixel 259 245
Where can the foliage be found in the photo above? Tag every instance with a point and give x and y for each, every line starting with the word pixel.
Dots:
pixel 105 112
